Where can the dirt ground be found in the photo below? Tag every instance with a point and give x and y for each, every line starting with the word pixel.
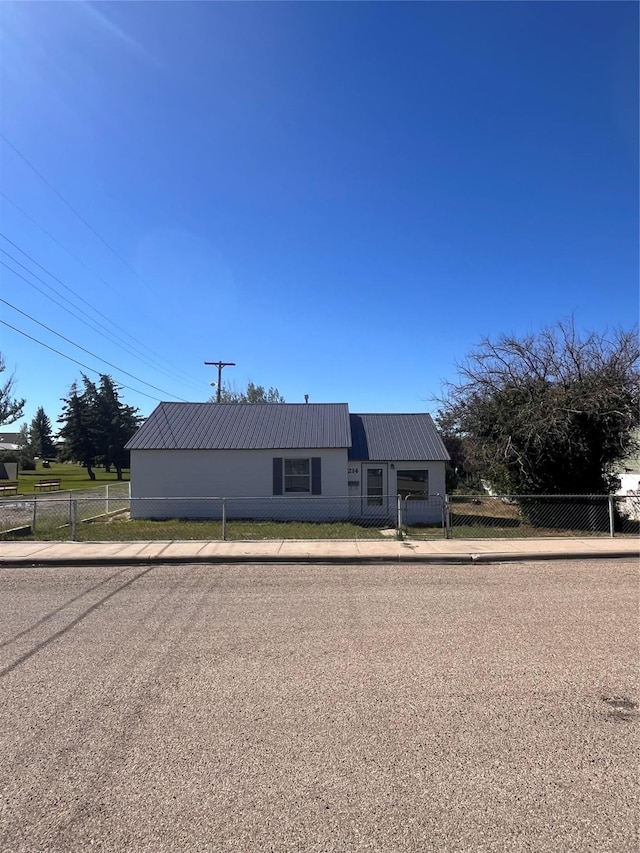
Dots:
pixel 320 708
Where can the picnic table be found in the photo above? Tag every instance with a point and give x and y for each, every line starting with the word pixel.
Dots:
pixel 8 487
pixel 47 485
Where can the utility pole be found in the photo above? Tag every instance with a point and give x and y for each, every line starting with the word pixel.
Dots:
pixel 220 365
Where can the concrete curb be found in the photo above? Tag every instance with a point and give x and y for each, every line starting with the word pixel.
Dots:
pixel 554 555
pixel 242 559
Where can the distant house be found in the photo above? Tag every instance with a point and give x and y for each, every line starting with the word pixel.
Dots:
pixel 10 441
pixel 627 471
pixel 311 461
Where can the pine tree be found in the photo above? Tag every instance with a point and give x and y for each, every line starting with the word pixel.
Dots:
pixel 97 424
pixel 40 435
pixel 116 423
pixel 78 430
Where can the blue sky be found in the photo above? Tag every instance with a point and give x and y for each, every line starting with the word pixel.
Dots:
pixel 342 198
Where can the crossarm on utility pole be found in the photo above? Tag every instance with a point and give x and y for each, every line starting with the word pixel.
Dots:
pixel 220 365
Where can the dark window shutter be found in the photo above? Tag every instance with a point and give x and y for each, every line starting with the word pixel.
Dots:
pixel 277 475
pixel 316 476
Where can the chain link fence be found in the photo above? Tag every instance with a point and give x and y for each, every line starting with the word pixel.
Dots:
pixel 116 517
pixel 59 515
pixel 519 516
pixel 108 514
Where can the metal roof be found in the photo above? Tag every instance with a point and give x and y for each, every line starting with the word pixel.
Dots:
pixel 392 437
pixel 244 426
pixel 266 426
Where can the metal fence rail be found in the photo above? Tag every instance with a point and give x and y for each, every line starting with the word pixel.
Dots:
pixel 109 514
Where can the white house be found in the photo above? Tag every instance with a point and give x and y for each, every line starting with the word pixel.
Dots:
pixel 299 461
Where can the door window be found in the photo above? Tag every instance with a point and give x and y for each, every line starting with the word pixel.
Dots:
pixel 374 487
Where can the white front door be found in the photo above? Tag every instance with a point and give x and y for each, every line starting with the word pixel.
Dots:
pixel 374 489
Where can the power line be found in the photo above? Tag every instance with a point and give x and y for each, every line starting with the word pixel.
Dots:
pixel 53 238
pixel 49 273
pixel 50 298
pixel 109 334
pixel 103 360
pixel 90 323
pixel 73 210
pixel 95 274
pixel 75 361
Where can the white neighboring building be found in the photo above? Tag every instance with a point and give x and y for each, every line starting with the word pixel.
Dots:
pixel 286 461
pixel 628 472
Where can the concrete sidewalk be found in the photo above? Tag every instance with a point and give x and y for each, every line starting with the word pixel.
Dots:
pixel 314 551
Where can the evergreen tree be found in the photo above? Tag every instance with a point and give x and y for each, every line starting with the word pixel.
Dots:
pixel 40 435
pixel 116 423
pixel 97 424
pixel 26 453
pixel 78 426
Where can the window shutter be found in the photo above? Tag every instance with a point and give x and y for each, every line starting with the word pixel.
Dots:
pixel 277 475
pixel 316 476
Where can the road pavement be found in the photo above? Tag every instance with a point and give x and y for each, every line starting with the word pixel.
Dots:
pixel 387 707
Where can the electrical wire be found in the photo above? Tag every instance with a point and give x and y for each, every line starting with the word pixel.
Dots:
pixel 93 354
pixel 184 377
pixel 47 295
pixel 106 333
pixel 51 237
pixel 80 217
pixel 89 323
pixel 73 210
pixel 74 360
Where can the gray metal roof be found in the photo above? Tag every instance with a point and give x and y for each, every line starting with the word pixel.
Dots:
pixel 394 437
pixel 244 426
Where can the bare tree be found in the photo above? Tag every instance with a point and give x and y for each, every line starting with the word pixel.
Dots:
pixel 548 412
pixel 11 408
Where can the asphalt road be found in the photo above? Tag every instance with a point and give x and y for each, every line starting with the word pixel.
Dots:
pixel 320 708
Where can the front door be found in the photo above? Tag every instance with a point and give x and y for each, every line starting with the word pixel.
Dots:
pixel 374 489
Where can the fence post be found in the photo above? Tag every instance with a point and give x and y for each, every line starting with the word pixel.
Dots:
pixel 33 520
pixel 399 518
pixel 224 519
pixel 446 516
pixel 74 519
pixel 611 517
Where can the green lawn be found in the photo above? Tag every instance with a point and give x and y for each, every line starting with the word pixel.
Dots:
pixel 120 529
pixel 71 477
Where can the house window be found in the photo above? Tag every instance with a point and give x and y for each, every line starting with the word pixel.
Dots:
pixel 413 483
pixel 297 476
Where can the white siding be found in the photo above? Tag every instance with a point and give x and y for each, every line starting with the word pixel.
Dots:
pixel 415 511
pixel 184 475
pixel 175 484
